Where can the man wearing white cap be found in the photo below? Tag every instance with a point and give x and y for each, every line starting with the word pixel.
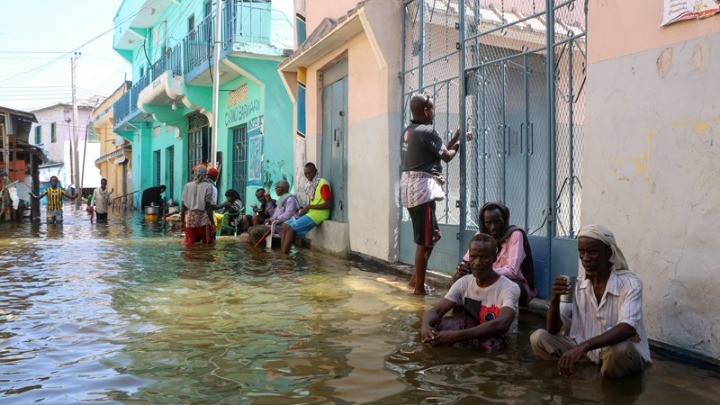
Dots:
pixel 604 323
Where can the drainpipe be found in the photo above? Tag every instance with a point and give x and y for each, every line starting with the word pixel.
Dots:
pixel 216 82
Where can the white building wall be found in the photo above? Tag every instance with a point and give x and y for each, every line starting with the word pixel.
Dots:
pixel 652 155
pixel 59 151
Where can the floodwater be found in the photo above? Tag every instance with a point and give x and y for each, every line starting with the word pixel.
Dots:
pixel 122 313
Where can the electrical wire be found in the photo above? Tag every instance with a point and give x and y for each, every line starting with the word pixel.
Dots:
pixel 64 55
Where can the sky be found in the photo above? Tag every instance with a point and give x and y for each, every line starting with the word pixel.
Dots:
pixel 37 40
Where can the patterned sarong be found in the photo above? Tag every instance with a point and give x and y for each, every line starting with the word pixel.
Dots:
pixel 417 188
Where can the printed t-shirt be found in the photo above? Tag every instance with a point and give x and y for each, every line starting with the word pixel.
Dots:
pixel 484 304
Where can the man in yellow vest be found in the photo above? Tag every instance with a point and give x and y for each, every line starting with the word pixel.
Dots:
pixel 319 196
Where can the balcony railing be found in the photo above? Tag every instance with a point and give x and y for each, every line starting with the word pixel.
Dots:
pixel 247 22
pixel 127 103
pixel 198 44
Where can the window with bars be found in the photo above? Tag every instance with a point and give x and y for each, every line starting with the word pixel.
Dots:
pixel 239 160
pixel 198 141
pixel 156 160
pixel 53 133
pixel 170 183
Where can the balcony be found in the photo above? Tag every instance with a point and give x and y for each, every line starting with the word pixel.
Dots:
pixel 126 106
pixel 254 27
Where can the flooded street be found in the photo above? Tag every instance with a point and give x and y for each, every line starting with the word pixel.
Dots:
pixel 122 313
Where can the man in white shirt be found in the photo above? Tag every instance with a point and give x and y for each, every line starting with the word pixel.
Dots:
pixel 101 200
pixel 604 323
pixel 490 303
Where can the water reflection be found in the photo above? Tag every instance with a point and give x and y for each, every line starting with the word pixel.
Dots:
pixel 123 313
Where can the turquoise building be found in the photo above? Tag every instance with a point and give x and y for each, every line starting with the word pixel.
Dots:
pixel 168 112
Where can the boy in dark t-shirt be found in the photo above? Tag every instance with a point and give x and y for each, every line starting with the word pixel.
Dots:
pixel 422 151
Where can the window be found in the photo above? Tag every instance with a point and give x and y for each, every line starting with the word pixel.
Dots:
pixel 198 140
pixel 53 133
pixel 170 171
pixel 239 160
pixel 38 134
pixel 156 159
pixel 191 23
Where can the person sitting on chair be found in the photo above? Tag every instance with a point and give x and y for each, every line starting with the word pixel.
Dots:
pixel 287 205
pixel 232 205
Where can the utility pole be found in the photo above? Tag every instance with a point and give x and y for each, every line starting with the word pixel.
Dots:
pixel 216 81
pixel 76 154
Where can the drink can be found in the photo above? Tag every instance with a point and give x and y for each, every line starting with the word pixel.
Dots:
pixel 570 296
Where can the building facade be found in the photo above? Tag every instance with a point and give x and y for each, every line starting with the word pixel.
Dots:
pixel 115 161
pixel 651 161
pixel 168 112
pixel 53 132
pixel 343 80
pixel 485 64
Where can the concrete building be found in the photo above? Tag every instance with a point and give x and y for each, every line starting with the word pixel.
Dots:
pixel 651 161
pixel 343 80
pixel 53 132
pixel 168 113
pixel 351 80
pixel 115 161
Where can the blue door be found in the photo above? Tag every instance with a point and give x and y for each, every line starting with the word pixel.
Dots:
pixel 333 164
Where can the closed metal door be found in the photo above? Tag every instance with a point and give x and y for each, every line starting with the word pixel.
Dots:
pixel 334 137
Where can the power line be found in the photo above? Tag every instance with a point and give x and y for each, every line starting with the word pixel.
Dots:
pixel 31 52
pixel 65 54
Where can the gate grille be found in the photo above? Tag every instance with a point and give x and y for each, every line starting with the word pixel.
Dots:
pixel 513 73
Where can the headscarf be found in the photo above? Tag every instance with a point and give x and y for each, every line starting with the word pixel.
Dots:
pixel 310 187
pixel 200 174
pixel 606 236
pixel 527 267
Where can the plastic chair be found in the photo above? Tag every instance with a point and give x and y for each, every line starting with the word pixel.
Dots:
pixel 225 223
pixel 269 239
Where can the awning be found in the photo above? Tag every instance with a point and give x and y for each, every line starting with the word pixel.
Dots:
pixel 112 155
pixel 328 36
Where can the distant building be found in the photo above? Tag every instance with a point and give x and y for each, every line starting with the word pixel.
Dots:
pixel 115 161
pixel 53 132
pixel 168 114
pixel 19 164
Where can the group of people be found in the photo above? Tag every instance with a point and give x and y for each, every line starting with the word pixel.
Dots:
pixel 602 324
pixel 97 205
pixel 291 220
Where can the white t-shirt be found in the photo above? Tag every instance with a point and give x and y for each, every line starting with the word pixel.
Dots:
pixel 484 303
pixel 100 200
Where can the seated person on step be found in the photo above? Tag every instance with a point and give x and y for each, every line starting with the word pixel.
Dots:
pixel 286 206
pixel 514 259
pixel 318 193
pixel 604 322
pixel 489 300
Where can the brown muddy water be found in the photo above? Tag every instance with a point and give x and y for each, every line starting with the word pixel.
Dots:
pixel 122 313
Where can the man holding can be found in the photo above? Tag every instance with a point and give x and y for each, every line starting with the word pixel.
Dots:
pixel 603 323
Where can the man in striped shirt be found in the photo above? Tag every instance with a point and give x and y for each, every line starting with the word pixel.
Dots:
pixel 55 204
pixel 604 322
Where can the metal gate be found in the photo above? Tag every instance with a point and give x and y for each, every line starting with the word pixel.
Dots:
pixel 513 73
pixel 239 161
pixel 198 141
